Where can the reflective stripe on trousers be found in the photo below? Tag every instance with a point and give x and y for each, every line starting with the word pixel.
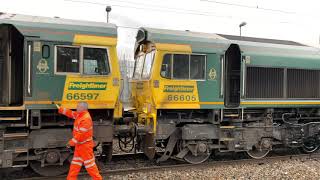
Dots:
pixel 90 165
pixel 76 163
pixel 77 159
pixel 88 161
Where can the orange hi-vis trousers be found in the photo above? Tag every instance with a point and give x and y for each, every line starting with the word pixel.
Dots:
pixel 83 155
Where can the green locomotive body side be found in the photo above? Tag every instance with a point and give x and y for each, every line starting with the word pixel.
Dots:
pixel 255 52
pixel 48 61
pixel 46 85
pixel 224 93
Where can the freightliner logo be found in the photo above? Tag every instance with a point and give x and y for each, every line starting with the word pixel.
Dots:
pixel 178 88
pixel 87 86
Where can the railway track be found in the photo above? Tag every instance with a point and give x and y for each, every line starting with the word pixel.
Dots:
pixel 183 166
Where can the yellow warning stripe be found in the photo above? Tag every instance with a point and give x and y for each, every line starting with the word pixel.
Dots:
pixel 66 102
pixel 186 48
pixel 11 108
pixel 279 102
pixel 171 102
pixel 209 103
pixel 84 39
pixel 250 103
pixel 181 102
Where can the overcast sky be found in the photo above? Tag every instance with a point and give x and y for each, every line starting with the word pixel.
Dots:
pixel 278 19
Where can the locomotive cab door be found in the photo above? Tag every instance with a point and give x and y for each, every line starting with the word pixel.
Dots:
pixel 232 76
pixel 11 66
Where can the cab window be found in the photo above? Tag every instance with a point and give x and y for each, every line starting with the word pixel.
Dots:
pixel 138 67
pixel 67 59
pixel 148 64
pixel 166 66
pixel 181 66
pixel 95 61
pixel 197 66
pixel 184 66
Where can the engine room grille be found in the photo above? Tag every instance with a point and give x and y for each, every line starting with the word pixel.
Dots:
pixel 264 82
pixel 303 83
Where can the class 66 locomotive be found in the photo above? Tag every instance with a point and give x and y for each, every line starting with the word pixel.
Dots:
pixel 47 61
pixel 203 93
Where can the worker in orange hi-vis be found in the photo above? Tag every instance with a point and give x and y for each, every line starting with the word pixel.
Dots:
pixel 82 140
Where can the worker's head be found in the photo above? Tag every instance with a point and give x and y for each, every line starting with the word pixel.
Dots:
pixel 82 106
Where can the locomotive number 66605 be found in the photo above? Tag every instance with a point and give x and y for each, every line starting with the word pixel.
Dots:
pixel 181 98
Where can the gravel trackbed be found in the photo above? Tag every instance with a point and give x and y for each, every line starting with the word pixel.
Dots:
pixel 282 169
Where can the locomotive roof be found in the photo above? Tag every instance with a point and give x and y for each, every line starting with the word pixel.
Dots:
pixel 212 43
pixel 261 40
pixel 56 28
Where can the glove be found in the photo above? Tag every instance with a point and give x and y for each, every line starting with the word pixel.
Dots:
pixel 68 146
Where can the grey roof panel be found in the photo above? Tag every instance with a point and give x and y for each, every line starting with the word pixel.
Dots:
pixel 56 20
pixel 213 43
pixel 34 25
pixel 261 40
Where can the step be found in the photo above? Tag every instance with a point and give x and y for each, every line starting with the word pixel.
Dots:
pixel 231 115
pixel 13 135
pixel 227 127
pixel 10 118
pixel 22 150
pixel 226 139
pixel 12 107
pixel 20 166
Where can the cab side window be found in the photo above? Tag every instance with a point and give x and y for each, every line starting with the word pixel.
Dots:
pixel 197 66
pixel 95 61
pixel 166 66
pixel 184 66
pixel 87 61
pixel 181 66
pixel 67 59
pixel 45 51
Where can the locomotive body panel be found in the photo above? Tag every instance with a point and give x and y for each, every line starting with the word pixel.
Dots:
pixel 61 62
pixel 44 84
pixel 234 88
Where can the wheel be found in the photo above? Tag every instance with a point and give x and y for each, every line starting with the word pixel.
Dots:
pixel 257 153
pixel 51 170
pixel 310 145
pixel 203 153
pixel 200 158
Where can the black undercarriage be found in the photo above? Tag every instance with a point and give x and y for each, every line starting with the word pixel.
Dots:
pixel 39 139
pixel 191 135
pixel 198 133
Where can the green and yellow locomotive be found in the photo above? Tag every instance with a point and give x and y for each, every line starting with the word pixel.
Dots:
pixel 52 60
pixel 199 93
pixel 193 93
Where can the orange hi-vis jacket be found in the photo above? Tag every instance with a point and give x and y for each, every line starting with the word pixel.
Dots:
pixel 82 127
